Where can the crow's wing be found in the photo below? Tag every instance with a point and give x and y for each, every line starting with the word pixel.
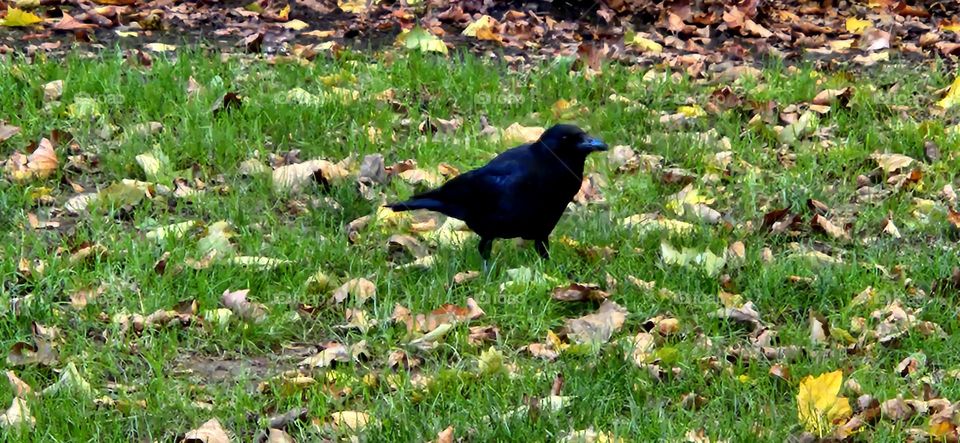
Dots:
pixel 483 191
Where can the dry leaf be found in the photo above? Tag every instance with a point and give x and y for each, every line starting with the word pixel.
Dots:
pixel 351 421
pixel 361 289
pixel 236 302
pixel 18 414
pixel 579 292
pixel 818 405
pixel 209 432
pixel 598 327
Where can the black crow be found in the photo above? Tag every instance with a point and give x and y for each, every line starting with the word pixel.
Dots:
pixel 520 193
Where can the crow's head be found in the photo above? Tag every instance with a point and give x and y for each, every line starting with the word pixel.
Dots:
pixel 570 140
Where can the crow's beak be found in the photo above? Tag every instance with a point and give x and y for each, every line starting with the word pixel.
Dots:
pixel 592 144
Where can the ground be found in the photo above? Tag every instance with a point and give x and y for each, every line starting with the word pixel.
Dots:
pixel 199 236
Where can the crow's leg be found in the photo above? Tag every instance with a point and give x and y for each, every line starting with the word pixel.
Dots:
pixel 485 246
pixel 541 246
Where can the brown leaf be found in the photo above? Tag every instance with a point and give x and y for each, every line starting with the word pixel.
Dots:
pixel 821 223
pixel 780 371
pixel 745 314
pixel 953 217
pixel 236 302
pixel 7 131
pixel 226 102
pixel 372 170
pixel 209 432
pixel 68 23
pixel 405 244
pixel 445 436
pixel 599 326
pixel 892 162
pixel 41 163
pixel 80 298
pixel 43 351
pixel 896 409
pixel 279 436
pixel 828 97
pixel 463 277
pixel 930 150
pixel 579 292
pixel 19 387
pixel 333 352
pixel 480 335
pixel 361 289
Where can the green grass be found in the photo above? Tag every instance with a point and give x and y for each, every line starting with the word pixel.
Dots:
pixel 609 393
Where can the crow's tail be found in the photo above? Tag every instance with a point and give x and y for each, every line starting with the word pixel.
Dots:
pixel 417 203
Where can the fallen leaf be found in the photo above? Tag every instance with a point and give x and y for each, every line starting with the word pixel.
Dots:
pixel 892 162
pixel 258 263
pixel 209 432
pixel 296 25
pixel 857 26
pixel 517 134
pixel 7 131
pixel 19 387
pixel 579 292
pixel 688 257
pixel 70 381
pixel 279 436
pixel 17 415
pixel 445 436
pixel 43 351
pixel 822 223
pixel 597 328
pixel 643 44
pixel 361 289
pixel 953 95
pixel 19 18
pixel 41 163
pixel 160 47
pixel 818 405
pixel 333 352
pixel 483 28
pixel 294 177
pixel 350 421
pixel 175 231
pixel 236 301
pixel 53 90
pixel 421 39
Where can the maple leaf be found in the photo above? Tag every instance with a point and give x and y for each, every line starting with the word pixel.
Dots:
pixel 953 95
pixel 818 405
pixel 484 28
pixel 19 18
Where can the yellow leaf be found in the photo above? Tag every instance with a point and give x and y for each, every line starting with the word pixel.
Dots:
pixel 554 341
pixel 127 34
pixel 16 17
pixel 692 111
pixel 484 28
pixel 952 26
pixel 419 38
pixel 818 405
pixel 645 44
pixel 841 45
pixel 953 95
pixel 160 47
pixel 517 133
pixel 284 13
pixel 353 6
pixel 296 25
pixel 857 26
pixel 320 34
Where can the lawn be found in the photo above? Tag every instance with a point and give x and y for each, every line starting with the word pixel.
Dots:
pixel 806 248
